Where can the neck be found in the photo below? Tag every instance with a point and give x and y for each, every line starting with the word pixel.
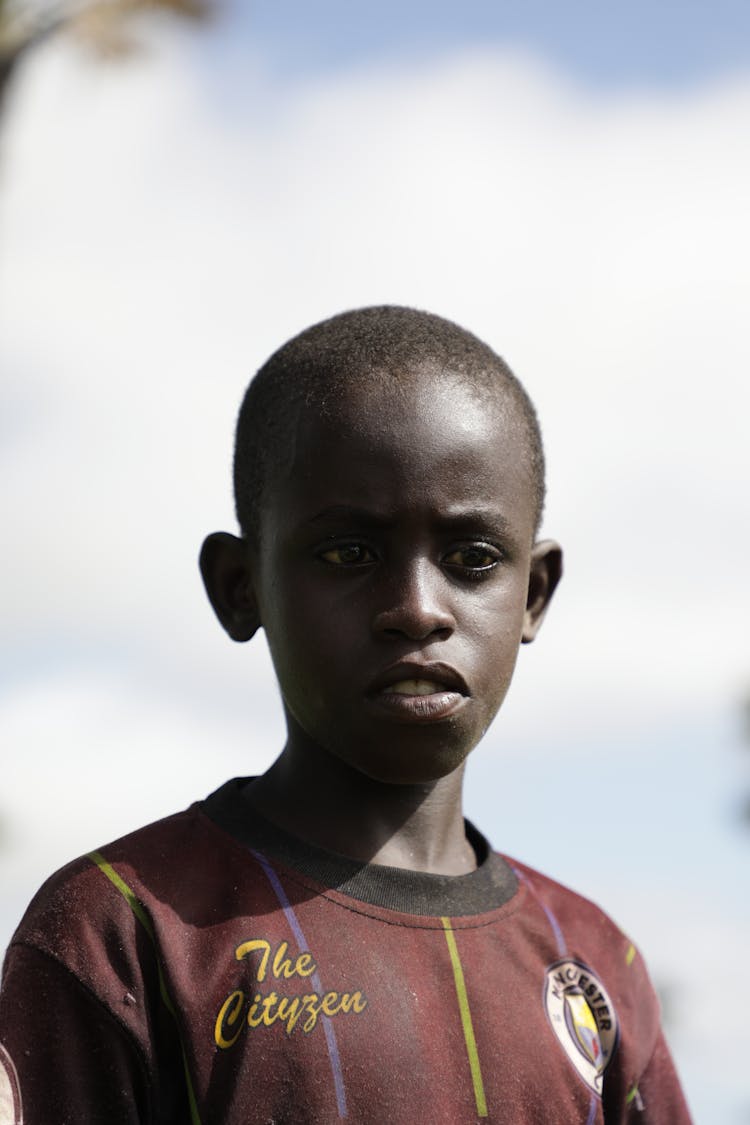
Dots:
pixel 316 797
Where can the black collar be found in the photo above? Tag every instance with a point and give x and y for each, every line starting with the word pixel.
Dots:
pixel 409 892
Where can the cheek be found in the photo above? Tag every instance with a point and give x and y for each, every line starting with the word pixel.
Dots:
pixel 499 620
pixel 497 631
pixel 307 644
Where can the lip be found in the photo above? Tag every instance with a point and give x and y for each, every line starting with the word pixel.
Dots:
pixel 446 678
pixel 450 695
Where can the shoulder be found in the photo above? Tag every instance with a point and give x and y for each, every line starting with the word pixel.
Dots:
pixel 568 911
pixel 88 974
pixel 118 921
pixel 579 927
pixel 74 892
pixel 173 869
pixel 594 958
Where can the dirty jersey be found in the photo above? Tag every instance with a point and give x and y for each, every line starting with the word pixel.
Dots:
pixel 212 969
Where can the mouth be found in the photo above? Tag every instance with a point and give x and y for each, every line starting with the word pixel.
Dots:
pixel 416 687
pixel 419 692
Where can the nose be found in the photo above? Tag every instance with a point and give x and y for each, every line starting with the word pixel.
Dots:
pixel 415 604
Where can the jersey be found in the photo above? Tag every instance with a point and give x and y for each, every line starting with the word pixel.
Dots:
pixel 212 969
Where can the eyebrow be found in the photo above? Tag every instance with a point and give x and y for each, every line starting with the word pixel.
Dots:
pixel 475 518
pixel 339 512
pixel 467 518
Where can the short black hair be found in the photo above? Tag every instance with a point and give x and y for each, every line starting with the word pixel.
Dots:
pixel 314 369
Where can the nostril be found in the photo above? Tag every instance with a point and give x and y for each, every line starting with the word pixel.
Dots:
pixel 395 624
pixel 416 604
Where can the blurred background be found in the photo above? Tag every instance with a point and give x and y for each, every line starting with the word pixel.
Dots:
pixel 185 185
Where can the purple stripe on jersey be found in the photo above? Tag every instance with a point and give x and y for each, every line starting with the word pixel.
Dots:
pixel 562 948
pixel 330 1034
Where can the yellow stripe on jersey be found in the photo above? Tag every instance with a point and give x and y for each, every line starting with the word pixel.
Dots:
pixel 463 1007
pixel 119 883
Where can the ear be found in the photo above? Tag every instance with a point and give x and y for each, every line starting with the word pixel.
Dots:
pixel 544 574
pixel 224 563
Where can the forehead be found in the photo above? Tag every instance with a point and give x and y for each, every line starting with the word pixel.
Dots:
pixel 409 444
pixel 413 416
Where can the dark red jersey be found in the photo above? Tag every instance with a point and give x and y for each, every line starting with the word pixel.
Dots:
pixel 212 969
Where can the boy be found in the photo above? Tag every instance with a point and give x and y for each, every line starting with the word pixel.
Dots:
pixel 332 940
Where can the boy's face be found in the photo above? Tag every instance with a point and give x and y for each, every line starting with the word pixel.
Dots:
pixel 395 575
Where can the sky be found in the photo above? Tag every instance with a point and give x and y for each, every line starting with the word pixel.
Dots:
pixel 670 44
pixel 571 189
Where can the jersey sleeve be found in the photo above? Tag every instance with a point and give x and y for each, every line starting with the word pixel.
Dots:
pixel 639 1081
pixel 644 1088
pixel 63 1055
pixel 658 1096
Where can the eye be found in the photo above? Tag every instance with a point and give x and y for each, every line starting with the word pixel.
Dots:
pixel 473 558
pixel 347 554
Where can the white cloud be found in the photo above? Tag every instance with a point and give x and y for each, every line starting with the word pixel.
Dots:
pixel 155 255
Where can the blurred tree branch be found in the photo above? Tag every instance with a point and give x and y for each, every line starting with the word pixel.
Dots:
pixel 105 27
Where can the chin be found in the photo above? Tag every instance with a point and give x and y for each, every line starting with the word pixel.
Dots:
pixel 412 766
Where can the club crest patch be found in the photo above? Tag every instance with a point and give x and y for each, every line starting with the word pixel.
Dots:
pixel 10 1091
pixel 583 1018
